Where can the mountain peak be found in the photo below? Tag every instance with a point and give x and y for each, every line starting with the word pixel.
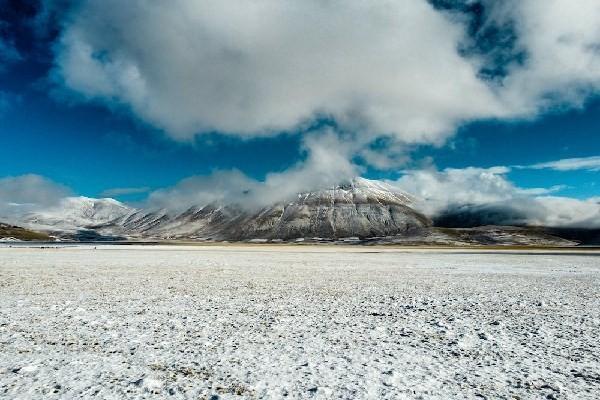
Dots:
pixel 358 191
pixel 81 212
pixel 359 207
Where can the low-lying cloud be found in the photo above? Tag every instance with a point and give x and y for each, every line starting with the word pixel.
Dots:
pixel 326 164
pixel 27 193
pixel 469 196
pixel 486 194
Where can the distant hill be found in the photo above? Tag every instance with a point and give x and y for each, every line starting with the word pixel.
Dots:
pixel 8 232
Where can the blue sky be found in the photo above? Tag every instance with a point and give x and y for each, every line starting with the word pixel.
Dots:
pixel 93 131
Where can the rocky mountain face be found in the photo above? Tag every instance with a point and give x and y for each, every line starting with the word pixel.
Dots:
pixel 360 208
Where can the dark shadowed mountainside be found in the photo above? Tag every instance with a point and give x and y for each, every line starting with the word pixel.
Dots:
pixel 8 232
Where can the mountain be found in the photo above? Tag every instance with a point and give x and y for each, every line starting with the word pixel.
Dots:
pixel 10 233
pixel 77 213
pixel 359 208
pixel 471 218
pixel 358 211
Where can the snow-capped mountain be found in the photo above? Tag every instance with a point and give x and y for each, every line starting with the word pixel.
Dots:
pixel 361 208
pixel 76 213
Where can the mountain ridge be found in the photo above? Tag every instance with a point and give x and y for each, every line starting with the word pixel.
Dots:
pixel 359 210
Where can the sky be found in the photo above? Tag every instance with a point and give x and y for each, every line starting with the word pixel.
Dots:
pixel 181 102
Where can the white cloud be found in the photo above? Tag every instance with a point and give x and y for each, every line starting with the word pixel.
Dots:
pixel 568 164
pixel 564 211
pixel 25 193
pixel 259 67
pixel 326 164
pixel 219 187
pixel 543 191
pixel 439 190
pixel 489 189
pixel 561 39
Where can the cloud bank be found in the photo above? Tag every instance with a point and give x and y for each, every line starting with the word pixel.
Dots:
pixel 26 193
pixel 561 43
pixel 486 194
pixel 254 68
pixel 467 196
pixel 322 168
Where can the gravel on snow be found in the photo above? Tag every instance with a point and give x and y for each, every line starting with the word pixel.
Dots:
pixel 221 322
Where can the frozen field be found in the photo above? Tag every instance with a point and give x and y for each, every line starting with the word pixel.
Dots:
pixel 219 322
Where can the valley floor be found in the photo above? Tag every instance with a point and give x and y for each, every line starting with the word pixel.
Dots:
pixel 220 322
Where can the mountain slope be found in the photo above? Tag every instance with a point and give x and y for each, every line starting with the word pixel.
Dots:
pixel 361 208
pixel 77 213
pixel 371 211
pixel 11 232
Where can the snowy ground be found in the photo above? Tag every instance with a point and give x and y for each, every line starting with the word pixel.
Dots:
pixel 303 322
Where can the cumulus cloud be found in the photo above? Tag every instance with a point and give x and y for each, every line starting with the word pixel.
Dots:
pixel 261 67
pixel 326 165
pixel 561 41
pixel 440 190
pixel 568 164
pixel 486 195
pixel 565 212
pixel 218 187
pixel 26 193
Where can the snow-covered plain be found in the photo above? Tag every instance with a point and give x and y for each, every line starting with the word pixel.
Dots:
pixel 223 322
